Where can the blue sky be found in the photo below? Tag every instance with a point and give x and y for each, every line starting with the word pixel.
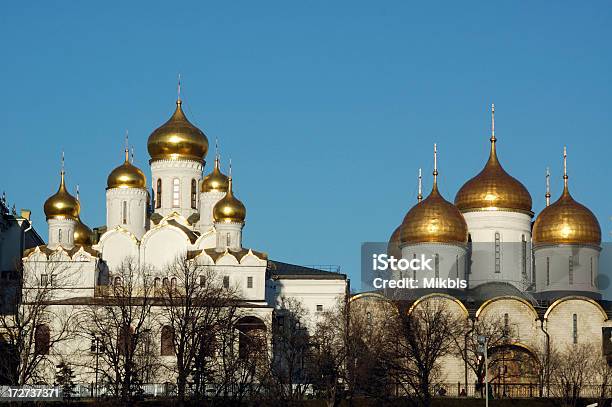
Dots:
pixel 327 109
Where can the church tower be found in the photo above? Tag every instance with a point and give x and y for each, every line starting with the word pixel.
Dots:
pixel 177 149
pixel 62 211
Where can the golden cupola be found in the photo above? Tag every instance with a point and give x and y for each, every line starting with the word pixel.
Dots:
pixel 62 205
pixel 566 221
pixel 127 175
pixel 434 219
pixel 177 139
pixel 82 233
pixel 216 180
pixel 229 209
pixel 393 247
pixel 493 188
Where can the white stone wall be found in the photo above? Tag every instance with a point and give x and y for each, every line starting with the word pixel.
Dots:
pixel 136 204
pixel 229 235
pixel 451 261
pixel 552 268
pixel 169 170
pixel 61 233
pixel 208 200
pixel 512 228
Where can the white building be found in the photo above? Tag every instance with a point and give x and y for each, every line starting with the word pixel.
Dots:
pixel 188 215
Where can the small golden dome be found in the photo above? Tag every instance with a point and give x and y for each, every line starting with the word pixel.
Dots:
pixel 393 247
pixel 493 188
pixel 229 209
pixel 82 234
pixel 566 222
pixel 216 180
pixel 177 139
pixel 62 205
pixel 434 220
pixel 126 175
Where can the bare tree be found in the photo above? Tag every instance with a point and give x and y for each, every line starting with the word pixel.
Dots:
pixel 121 322
pixel 424 336
pixel 32 322
pixel 574 370
pixel 195 308
pixel 603 375
pixel 288 379
pixel 497 332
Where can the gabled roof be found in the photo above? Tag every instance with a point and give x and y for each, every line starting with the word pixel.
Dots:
pixel 280 270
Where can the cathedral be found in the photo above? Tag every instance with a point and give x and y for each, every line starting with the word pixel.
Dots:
pixel 539 276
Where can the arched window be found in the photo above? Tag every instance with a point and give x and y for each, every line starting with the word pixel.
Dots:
pixel 592 274
pixel 457 266
pixel 173 283
pixel 497 252
pixel 59 235
pixel 117 281
pixel 124 212
pixel 176 193
pixel 570 267
pixel 167 341
pixel 548 271
pixel 194 193
pixel 575 328
pixel 158 198
pixel 42 340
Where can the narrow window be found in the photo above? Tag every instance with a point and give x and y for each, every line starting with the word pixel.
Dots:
pixel 158 199
pixel 457 266
pixel 249 282
pixel 52 279
pixel 42 340
pixel 437 265
pixel 166 282
pixel 194 189
pixel 43 280
pixel 202 281
pixel 167 341
pixel 117 281
pixel 575 330
pixel 548 271
pixel 124 214
pixel 592 274
pixel 571 269
pixel 413 270
pixel 225 281
pixel 524 255
pixel 319 307
pixel 59 235
pixel 176 193
pixel 497 253
pixel 228 240
pixel 173 283
pixel 506 320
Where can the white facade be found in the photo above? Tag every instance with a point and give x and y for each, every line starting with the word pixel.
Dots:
pixel 501 247
pixel 179 180
pixel 127 208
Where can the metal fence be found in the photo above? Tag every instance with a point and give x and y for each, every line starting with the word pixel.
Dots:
pixel 517 390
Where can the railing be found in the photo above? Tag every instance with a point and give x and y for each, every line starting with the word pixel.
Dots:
pixel 516 390
pixel 332 268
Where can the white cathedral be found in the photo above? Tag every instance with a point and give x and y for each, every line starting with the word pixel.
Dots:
pixel 189 215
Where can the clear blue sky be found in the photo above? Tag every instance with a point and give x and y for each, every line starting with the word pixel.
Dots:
pixel 326 108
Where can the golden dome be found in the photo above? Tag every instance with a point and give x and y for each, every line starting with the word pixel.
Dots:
pixel 493 188
pixel 177 139
pixel 82 234
pixel 126 176
pixel 434 220
pixel 216 180
pixel 393 247
pixel 229 209
pixel 566 222
pixel 62 205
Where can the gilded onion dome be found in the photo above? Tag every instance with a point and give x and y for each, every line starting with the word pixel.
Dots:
pixel 229 209
pixel 126 175
pixel 216 180
pixel 62 205
pixel 566 222
pixel 177 139
pixel 82 233
pixel 393 247
pixel 493 188
pixel 434 220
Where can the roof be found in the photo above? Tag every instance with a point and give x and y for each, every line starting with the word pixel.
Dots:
pixel 214 254
pixel 46 250
pixel 280 270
